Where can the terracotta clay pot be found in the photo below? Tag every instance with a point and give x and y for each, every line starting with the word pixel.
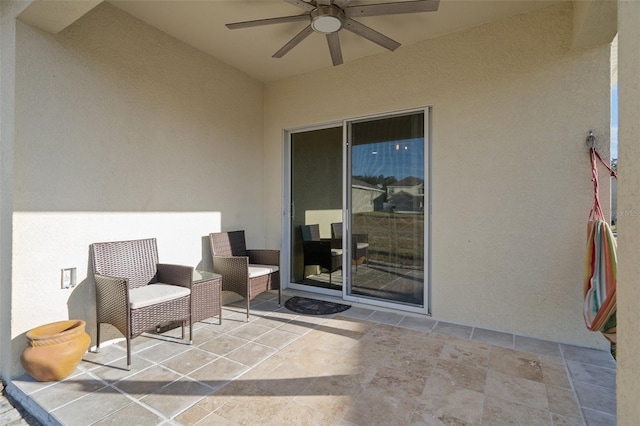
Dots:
pixel 55 349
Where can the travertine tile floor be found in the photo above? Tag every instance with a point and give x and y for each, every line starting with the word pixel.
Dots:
pixel 360 367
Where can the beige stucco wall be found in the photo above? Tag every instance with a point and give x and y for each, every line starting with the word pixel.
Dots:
pixel 628 372
pixel 511 191
pixel 8 11
pixel 124 132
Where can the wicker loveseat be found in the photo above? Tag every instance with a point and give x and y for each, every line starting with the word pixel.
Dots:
pixel 135 293
pixel 245 272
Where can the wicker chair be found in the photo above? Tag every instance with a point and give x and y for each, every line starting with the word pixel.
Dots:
pixel 245 272
pixel 359 243
pixel 318 252
pixel 135 293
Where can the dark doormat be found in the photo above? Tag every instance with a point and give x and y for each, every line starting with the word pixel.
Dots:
pixel 302 305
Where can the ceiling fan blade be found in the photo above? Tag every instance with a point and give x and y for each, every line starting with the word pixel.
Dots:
pixel 371 35
pixel 268 21
pixel 302 4
pixel 293 42
pixel 392 8
pixel 342 4
pixel 334 48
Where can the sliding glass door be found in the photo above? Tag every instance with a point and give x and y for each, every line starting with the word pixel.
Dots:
pixel 316 203
pixel 386 195
pixel 357 222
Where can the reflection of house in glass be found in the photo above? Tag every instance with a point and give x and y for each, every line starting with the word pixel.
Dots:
pixel 366 197
pixel 406 195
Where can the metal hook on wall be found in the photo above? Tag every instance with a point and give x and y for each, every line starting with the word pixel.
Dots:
pixel 591 140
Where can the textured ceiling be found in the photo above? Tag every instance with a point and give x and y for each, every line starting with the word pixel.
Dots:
pixel 201 24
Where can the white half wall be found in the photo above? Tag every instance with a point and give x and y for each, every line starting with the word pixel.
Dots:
pixel 511 189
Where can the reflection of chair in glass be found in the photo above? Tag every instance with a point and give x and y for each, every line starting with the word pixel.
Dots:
pixel 245 272
pixel 135 293
pixel 360 243
pixel 318 252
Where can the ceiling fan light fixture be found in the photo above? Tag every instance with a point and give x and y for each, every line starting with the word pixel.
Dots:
pixel 327 19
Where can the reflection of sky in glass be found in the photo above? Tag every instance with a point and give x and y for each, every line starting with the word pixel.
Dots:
pixel 396 158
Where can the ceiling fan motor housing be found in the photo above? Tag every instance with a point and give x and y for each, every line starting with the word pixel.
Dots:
pixel 327 19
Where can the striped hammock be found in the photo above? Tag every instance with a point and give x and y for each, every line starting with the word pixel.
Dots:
pixel 601 266
pixel 600 280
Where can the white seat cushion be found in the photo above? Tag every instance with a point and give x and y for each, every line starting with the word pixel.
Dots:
pixel 155 293
pixel 362 245
pixel 336 252
pixel 260 270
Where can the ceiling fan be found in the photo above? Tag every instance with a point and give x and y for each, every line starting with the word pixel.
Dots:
pixel 330 16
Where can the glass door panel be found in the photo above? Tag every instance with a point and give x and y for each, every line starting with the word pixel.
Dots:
pixel 316 203
pixel 386 229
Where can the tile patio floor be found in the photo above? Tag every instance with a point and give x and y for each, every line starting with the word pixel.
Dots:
pixel 359 367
